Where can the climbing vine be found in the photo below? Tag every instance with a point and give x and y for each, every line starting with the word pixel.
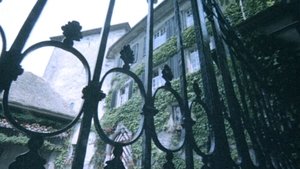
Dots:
pixel 234 14
pixel 129 113
pixel 61 159
pixel 22 140
pixel 34 122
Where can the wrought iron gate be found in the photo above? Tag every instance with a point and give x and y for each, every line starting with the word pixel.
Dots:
pixel 249 112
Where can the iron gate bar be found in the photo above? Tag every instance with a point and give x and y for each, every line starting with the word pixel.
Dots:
pixel 10 67
pixel 149 104
pixel 234 108
pixel 220 159
pixel 188 121
pixel 92 94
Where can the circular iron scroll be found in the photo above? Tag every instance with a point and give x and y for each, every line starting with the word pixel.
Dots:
pixel 212 139
pixel 3 38
pixel 36 46
pixel 98 127
pixel 181 106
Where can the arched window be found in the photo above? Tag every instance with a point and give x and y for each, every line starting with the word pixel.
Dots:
pixel 121 134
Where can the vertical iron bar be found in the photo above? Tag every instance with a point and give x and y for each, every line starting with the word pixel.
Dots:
pixel 103 42
pixel 12 58
pixel 264 132
pixel 91 104
pixel 183 88
pixel 255 122
pixel 149 50
pixel 221 156
pixel 27 27
pixel 85 127
pixel 244 54
pixel 246 116
pixel 146 159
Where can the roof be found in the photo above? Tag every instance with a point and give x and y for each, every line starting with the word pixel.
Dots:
pixel 124 25
pixel 162 10
pixel 33 93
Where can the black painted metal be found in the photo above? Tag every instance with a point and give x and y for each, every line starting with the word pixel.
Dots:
pixel 257 115
pixel 10 67
pixel 148 109
pixel 188 121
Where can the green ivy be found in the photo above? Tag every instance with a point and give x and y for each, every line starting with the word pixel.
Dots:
pixel 60 161
pixel 28 117
pixel 234 14
pixel 165 51
pixel 169 48
pixel 22 140
pixel 129 113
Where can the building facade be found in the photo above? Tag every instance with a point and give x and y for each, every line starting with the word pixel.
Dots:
pixel 67 76
pixel 123 94
pixel 122 107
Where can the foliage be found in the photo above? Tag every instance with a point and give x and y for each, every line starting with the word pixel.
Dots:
pixel 99 155
pixel 60 160
pixel 139 69
pixel 234 14
pixel 164 99
pixel 164 52
pixel 22 140
pixel 278 66
pixel 28 117
pixel 128 114
pixel 189 37
pixel 169 48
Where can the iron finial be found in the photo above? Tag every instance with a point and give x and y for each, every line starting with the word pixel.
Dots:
pixel 169 164
pixel 116 163
pixel 127 56
pixel 71 31
pixel 197 90
pixel 167 75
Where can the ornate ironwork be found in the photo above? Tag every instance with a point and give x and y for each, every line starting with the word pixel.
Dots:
pixel 127 56
pixel 263 128
pixel 71 31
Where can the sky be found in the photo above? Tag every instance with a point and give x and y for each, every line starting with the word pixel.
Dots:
pixel 90 13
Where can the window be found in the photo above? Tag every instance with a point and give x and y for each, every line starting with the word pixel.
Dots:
pixel 135 49
pixel 193 63
pixel 122 95
pixel 189 20
pixel 176 117
pixel 144 47
pixel 121 135
pixel 160 37
pixel 157 79
pixel 120 62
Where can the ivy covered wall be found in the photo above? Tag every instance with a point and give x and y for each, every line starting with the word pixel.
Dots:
pixel 13 142
pixel 129 113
